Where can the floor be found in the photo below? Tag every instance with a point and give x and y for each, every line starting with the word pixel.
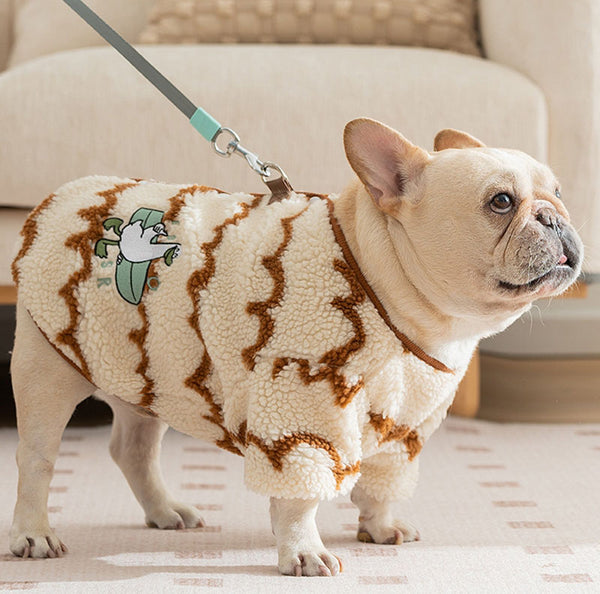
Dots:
pixel 500 508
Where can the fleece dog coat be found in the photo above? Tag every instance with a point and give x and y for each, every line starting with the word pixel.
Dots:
pixel 238 321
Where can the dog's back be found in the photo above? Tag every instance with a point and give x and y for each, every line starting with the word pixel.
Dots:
pixel 136 329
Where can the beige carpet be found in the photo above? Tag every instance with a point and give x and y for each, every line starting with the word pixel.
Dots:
pixel 501 508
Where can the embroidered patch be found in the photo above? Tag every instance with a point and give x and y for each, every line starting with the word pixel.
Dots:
pixel 138 247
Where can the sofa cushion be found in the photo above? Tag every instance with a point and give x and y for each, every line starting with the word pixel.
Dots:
pixel 87 111
pixel 42 27
pixel 443 24
pixel 11 221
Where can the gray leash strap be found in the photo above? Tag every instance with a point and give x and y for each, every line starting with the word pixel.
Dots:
pixel 211 129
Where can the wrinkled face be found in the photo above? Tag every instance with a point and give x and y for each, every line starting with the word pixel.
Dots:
pixel 478 231
pixel 488 225
pixel 538 251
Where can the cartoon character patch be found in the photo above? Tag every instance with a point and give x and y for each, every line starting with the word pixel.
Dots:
pixel 138 247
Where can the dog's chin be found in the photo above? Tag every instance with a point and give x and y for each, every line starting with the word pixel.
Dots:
pixel 553 282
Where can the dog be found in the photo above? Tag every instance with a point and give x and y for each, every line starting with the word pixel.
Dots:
pixel 320 337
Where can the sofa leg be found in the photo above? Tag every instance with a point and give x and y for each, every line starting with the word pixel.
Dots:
pixel 466 401
pixel 8 294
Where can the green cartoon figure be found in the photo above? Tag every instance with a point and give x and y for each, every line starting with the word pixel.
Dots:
pixel 138 247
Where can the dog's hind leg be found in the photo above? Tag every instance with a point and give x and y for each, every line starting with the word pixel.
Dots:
pixel 46 390
pixel 135 447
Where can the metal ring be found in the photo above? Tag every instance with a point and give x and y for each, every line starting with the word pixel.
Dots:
pixel 267 166
pixel 230 145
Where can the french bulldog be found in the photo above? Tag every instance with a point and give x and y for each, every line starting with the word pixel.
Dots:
pixel 321 337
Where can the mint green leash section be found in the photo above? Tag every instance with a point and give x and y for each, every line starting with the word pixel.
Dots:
pixel 205 124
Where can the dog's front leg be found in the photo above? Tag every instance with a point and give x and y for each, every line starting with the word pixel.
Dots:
pixel 299 546
pixel 376 522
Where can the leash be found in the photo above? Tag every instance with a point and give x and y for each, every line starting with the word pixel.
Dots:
pixel 272 175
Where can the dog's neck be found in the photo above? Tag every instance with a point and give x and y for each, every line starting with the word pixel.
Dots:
pixel 447 338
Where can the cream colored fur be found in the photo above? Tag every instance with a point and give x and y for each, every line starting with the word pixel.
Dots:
pixel 448 269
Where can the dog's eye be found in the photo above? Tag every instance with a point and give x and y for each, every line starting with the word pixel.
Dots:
pixel 501 203
pixel 557 193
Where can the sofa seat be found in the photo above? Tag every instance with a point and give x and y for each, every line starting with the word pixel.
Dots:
pixel 11 221
pixel 64 123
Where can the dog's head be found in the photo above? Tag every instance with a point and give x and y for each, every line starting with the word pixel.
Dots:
pixel 477 230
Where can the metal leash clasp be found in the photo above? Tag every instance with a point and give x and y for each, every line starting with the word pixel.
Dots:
pixel 279 185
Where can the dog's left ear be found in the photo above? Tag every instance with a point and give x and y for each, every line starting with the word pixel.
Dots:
pixel 450 138
pixel 384 161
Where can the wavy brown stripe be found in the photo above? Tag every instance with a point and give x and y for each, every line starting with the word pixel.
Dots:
pixel 82 243
pixel 197 282
pixel 138 337
pixel 29 233
pixel 284 445
pixel 262 309
pixel 390 431
pixel 335 359
pixel 178 201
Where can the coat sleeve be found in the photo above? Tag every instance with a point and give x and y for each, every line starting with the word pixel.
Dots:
pixel 389 476
pixel 300 442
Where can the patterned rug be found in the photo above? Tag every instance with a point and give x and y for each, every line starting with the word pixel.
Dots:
pixel 500 508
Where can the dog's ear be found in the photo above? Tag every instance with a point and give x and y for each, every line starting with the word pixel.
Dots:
pixel 450 138
pixel 384 161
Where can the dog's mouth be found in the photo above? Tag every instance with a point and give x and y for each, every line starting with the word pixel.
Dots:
pixel 558 275
pixel 557 278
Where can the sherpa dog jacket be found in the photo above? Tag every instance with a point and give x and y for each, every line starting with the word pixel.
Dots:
pixel 236 321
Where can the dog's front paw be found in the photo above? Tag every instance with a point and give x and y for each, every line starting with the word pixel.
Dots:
pixel 174 516
pixel 395 532
pixel 39 545
pixel 303 561
pixel 299 546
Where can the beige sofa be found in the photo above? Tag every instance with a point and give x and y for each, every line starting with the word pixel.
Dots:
pixel 82 109
pixel 86 110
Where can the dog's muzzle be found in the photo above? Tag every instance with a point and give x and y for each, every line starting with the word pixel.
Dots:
pixel 554 256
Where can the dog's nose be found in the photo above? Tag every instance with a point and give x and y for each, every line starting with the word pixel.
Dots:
pixel 547 216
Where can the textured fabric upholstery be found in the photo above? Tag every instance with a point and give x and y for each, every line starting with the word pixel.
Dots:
pixel 443 24
pixel 296 117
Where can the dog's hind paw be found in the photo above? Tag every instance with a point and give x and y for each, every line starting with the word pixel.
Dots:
pixel 174 516
pixel 396 533
pixel 38 546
